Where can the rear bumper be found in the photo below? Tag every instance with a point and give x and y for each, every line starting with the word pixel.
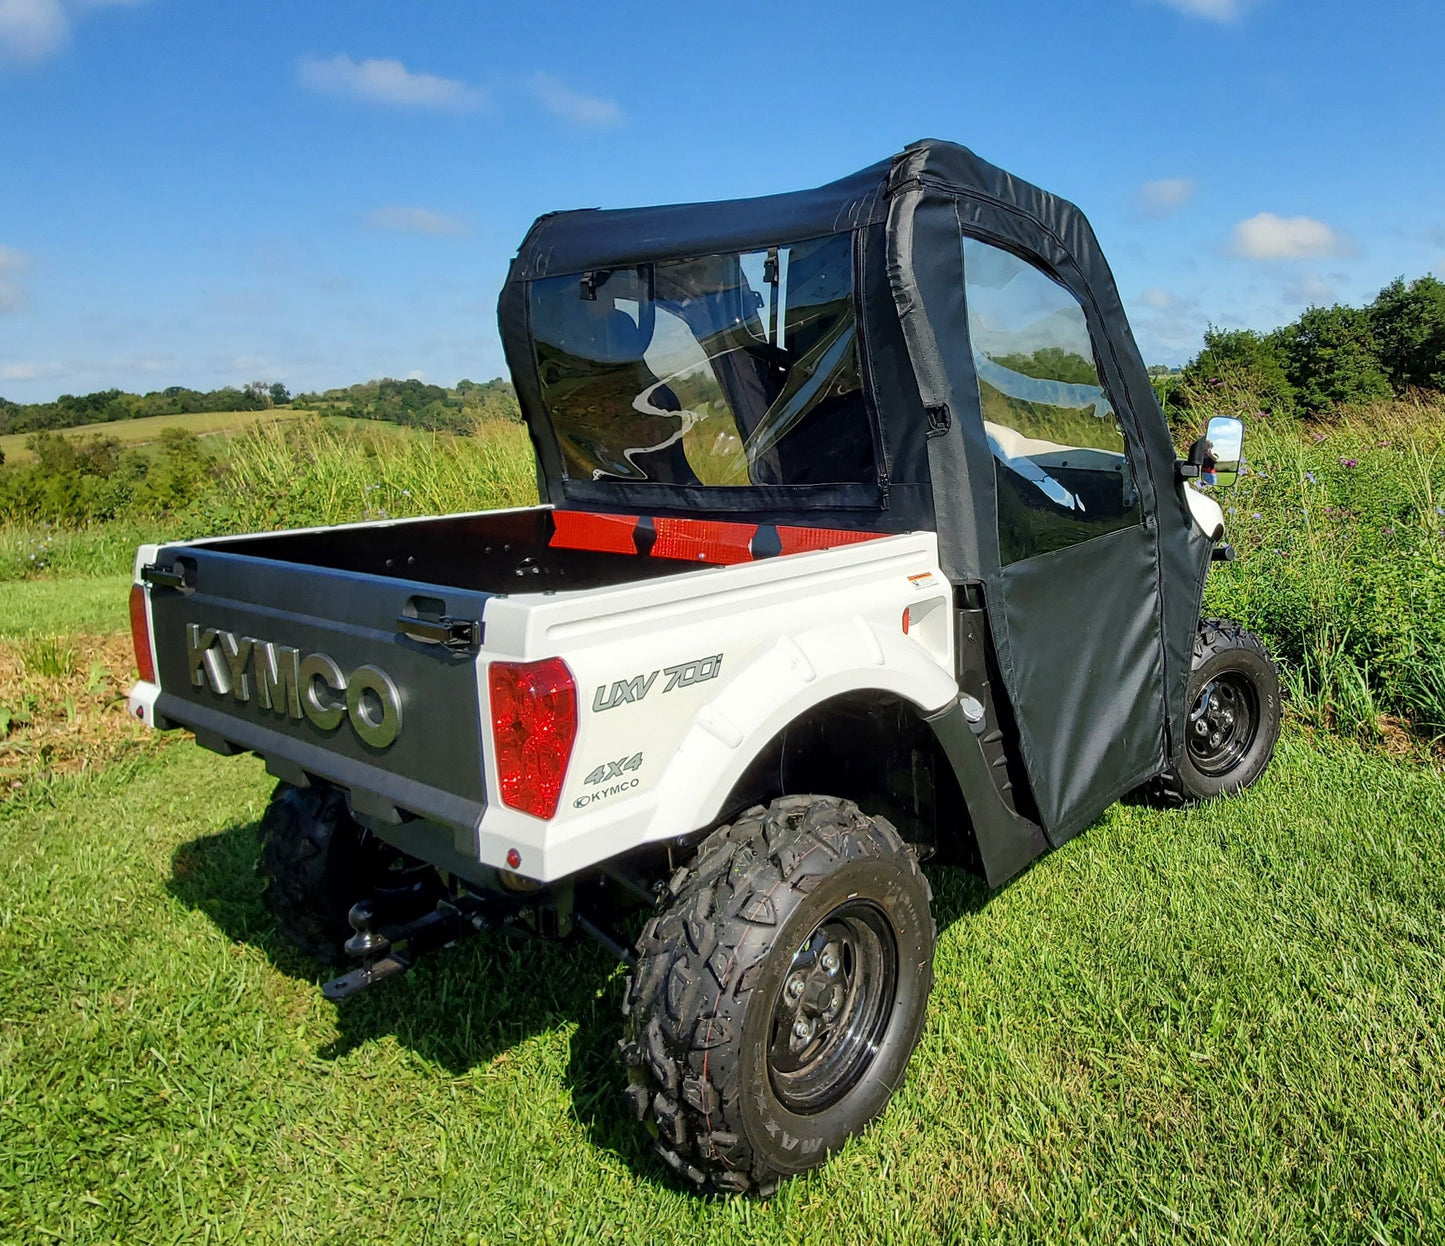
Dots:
pixel 381 796
pixel 453 833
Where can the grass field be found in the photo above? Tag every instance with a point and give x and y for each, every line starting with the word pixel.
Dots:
pixel 145 431
pixel 93 604
pixel 1218 1025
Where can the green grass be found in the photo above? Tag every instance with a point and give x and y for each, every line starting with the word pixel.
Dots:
pixel 1341 533
pixel 1218 1025
pixel 43 607
pixel 1215 1025
pixel 309 471
pixel 1223 1024
pixel 144 431
pixel 328 471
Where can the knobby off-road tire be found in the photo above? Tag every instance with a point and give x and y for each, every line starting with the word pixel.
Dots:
pixel 318 861
pixel 777 998
pixel 1233 720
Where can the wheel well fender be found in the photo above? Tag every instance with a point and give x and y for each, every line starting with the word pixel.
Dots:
pixel 790 679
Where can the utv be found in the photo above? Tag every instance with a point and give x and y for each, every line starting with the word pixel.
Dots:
pixel 864 542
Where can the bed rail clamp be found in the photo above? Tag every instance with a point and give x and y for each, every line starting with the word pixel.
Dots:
pixel 165 577
pixel 458 635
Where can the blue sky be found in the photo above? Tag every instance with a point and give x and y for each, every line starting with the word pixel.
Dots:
pixel 206 193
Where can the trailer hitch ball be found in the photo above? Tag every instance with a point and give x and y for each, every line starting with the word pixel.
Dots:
pixel 366 942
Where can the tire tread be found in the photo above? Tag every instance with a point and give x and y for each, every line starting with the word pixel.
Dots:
pixel 677 1050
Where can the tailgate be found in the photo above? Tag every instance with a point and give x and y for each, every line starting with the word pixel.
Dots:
pixel 312 669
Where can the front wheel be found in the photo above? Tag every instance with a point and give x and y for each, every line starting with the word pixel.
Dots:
pixel 778 997
pixel 1233 721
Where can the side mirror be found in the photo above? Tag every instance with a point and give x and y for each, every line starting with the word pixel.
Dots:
pixel 1214 460
pixel 1223 450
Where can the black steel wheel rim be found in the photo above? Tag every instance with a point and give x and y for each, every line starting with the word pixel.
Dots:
pixel 1223 723
pixel 833 1007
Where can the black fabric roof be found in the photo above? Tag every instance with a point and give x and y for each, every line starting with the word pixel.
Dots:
pixel 568 242
pixel 573 241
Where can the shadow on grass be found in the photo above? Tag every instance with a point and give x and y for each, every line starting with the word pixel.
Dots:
pixel 464 1006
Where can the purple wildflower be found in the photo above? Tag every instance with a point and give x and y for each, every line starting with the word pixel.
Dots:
pixel 1344 462
pixel 1310 476
pixel 1388 531
pixel 1256 515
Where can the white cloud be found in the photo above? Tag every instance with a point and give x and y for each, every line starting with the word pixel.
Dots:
pixel 31 30
pixel 424 221
pixel 1165 196
pixel 387 82
pixel 1160 300
pixel 1271 237
pixel 588 111
pixel 12 293
pixel 1210 10
pixel 18 372
pixel 1313 290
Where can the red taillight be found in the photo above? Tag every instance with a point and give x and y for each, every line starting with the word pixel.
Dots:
pixel 140 634
pixel 534 724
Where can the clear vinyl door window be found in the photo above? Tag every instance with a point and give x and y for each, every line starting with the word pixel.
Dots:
pixel 1060 458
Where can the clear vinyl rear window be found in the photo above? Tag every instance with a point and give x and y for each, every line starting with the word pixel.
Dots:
pixel 735 369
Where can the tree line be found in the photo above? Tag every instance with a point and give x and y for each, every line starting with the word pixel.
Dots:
pixel 95 478
pixel 1328 358
pixel 107 405
pixel 438 408
pixel 418 405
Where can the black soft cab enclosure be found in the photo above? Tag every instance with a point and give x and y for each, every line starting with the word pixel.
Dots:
pixel 930 343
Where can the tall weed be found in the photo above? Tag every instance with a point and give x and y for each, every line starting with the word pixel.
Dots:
pixel 313 472
pixel 47 657
pixel 1340 529
pixel 296 474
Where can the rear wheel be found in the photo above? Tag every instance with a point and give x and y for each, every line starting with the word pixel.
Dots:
pixel 318 861
pixel 777 999
pixel 1233 720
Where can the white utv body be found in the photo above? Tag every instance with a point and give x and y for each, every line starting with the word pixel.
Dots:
pixel 863 542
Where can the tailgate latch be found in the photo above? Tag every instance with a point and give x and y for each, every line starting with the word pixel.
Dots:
pixel 458 635
pixel 165 577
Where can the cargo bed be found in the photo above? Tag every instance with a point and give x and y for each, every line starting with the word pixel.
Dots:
pixel 357 655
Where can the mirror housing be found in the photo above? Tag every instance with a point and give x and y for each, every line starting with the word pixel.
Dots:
pixel 1215 460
